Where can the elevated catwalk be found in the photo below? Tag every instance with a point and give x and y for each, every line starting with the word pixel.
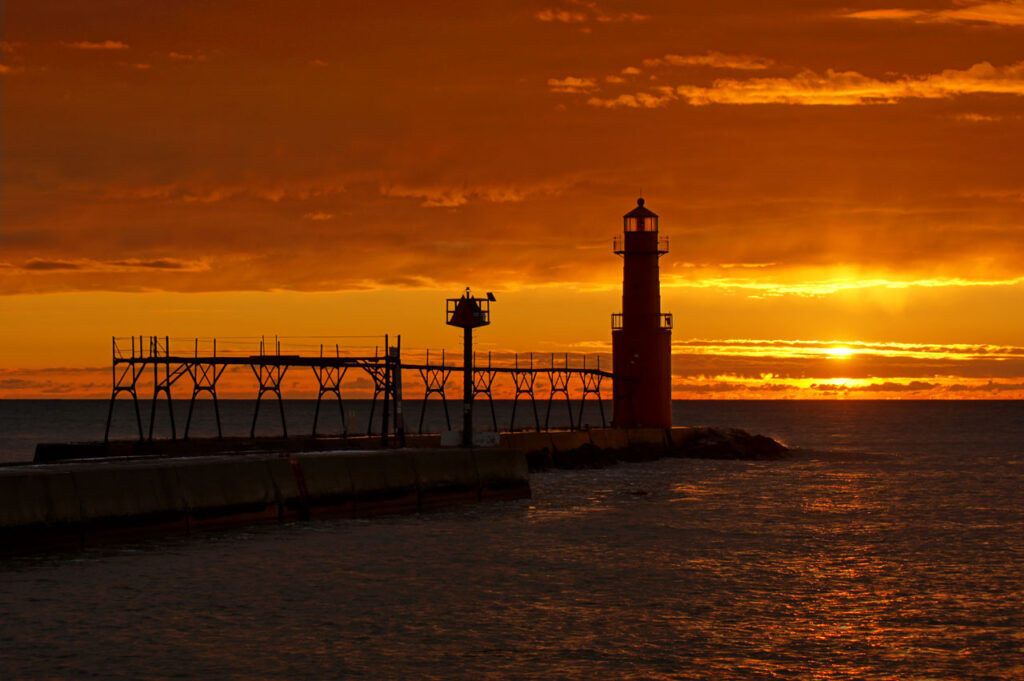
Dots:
pixel 202 362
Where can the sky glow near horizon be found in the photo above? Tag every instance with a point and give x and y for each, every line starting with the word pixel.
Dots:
pixel 840 182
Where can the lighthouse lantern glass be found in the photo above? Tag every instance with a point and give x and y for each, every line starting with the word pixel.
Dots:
pixel 641 224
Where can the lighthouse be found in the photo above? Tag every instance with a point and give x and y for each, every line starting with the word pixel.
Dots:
pixel 641 333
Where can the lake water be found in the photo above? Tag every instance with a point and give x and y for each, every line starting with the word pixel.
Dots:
pixel 892 548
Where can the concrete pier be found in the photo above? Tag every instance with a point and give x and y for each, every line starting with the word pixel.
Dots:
pixel 558 448
pixel 179 487
pixel 81 503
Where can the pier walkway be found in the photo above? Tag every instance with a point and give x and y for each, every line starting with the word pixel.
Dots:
pixel 201 362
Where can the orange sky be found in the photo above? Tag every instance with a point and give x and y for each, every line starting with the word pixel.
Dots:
pixel 831 175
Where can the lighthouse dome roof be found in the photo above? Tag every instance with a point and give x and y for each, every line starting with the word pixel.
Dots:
pixel 640 211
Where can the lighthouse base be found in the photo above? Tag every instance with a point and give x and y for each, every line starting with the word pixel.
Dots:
pixel 642 388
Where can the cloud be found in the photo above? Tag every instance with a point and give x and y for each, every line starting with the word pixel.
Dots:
pixel 834 88
pixel 11 49
pixel 38 265
pixel 640 100
pixel 181 56
pixel 149 172
pixel 891 387
pixel 455 196
pixel 1010 12
pixel 850 88
pixel 564 16
pixel 572 84
pixel 208 193
pixel 42 382
pixel 585 11
pixel 809 287
pixel 102 45
pixel 977 118
pixel 886 14
pixel 712 59
pixel 157 264
pixel 1007 13
pixel 886 387
pixel 16 383
pixel 990 386
pixel 319 216
pixel 128 264
pixel 816 348
pixel 725 386
pixel 870 367
pixel 659 96
pixel 320 63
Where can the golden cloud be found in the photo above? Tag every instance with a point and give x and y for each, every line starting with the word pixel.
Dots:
pixel 181 56
pixel 585 11
pixel 834 88
pixel 822 287
pixel 100 45
pixel 562 15
pixel 886 14
pixel 207 193
pixel 727 387
pixel 977 118
pixel 855 369
pixel 713 59
pixel 454 196
pixel 640 100
pixel 827 349
pixel 1008 13
pixel 572 84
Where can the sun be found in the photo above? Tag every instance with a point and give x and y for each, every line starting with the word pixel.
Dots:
pixel 840 352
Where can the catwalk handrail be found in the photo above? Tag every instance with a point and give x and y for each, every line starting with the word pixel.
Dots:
pixel 132 356
pixel 160 354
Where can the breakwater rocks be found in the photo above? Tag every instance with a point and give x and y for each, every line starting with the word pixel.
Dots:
pixel 596 448
pixel 71 504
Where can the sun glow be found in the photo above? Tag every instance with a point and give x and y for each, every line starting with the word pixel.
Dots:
pixel 840 352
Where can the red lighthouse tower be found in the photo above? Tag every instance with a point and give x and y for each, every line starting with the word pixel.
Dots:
pixel 641 334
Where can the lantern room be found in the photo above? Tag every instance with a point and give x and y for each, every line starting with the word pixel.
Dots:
pixel 640 219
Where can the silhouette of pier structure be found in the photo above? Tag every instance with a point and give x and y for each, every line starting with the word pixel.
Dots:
pixel 199 364
pixel 641 359
pixel 523 370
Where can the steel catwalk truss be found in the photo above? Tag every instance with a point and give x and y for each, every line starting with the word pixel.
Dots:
pixel 434 380
pixel 524 372
pixel 483 381
pixel 559 379
pixel 131 357
pixel 205 366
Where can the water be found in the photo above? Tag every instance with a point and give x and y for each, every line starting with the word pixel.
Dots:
pixel 892 550
pixel 860 426
pixel 24 423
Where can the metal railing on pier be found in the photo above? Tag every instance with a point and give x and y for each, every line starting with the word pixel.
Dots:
pixel 203 362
